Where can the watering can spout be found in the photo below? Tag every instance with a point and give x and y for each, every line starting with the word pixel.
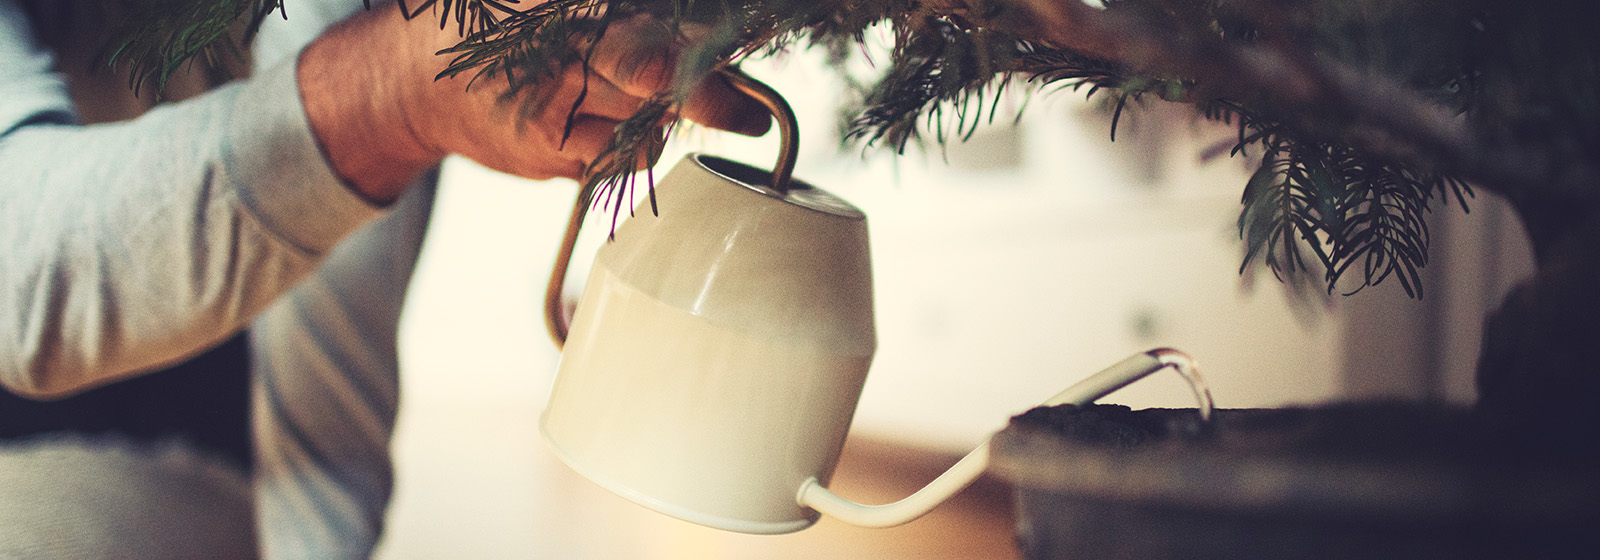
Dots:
pixel 813 495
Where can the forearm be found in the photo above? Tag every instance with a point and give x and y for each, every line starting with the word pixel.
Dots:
pixel 134 245
pixel 363 83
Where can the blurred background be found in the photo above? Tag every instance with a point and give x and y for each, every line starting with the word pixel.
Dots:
pixel 1006 267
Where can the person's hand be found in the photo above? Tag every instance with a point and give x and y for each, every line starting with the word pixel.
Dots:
pixel 370 94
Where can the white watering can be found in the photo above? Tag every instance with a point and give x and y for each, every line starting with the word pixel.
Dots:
pixel 719 350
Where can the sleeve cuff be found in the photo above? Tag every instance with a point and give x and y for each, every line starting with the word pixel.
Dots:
pixel 280 173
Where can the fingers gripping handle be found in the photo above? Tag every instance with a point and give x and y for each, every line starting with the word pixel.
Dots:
pixel 964 472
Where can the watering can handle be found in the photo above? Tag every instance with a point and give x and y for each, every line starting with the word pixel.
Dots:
pixel 555 316
pixel 813 495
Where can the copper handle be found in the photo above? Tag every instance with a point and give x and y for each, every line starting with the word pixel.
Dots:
pixel 788 127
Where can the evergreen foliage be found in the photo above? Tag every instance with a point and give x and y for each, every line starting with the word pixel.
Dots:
pixel 157 37
pixel 1365 114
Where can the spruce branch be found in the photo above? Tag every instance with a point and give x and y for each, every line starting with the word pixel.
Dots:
pixel 1378 114
pixel 1354 214
pixel 157 37
pixel 1348 208
pixel 471 16
pixel 610 181
pixel 1282 212
pixel 938 64
pixel 1364 112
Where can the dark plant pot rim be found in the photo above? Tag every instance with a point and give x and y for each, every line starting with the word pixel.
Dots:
pixel 1282 460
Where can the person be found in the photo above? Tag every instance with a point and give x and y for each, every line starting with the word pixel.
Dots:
pixel 270 226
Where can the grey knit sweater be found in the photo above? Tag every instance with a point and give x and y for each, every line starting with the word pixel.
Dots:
pixel 131 246
pixel 126 247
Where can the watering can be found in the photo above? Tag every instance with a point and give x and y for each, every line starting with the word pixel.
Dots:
pixel 720 346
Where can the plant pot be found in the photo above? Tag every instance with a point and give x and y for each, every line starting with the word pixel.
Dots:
pixel 1348 481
